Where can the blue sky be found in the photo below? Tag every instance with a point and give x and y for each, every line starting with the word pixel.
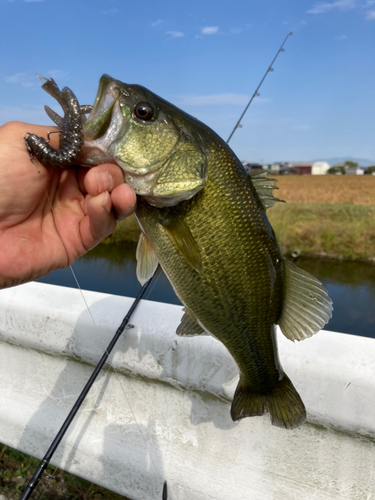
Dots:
pixel 207 57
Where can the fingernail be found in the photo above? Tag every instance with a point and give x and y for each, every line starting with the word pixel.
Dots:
pixel 107 207
pixel 104 180
pixel 134 206
pixel 123 215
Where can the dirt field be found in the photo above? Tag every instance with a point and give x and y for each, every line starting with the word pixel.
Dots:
pixel 334 189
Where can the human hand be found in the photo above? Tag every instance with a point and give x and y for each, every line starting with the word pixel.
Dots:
pixel 50 217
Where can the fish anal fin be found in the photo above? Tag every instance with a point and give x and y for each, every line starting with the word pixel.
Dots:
pixel 306 304
pixel 180 235
pixel 147 262
pixel 284 404
pixel 189 326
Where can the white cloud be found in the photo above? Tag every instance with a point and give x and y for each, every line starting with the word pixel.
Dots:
pixel 36 114
pixel 370 16
pixel 15 78
pixel 322 8
pixel 156 23
pixel 370 2
pixel 236 31
pixel 210 30
pixel 57 74
pixel 175 34
pixel 215 100
pixel 27 80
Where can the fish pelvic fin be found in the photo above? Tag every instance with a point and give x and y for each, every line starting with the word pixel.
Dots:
pixel 306 304
pixel 284 404
pixel 147 262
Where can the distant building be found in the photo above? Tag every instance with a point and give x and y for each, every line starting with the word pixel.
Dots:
pixel 277 167
pixel 354 171
pixel 310 168
pixel 320 168
pixel 302 167
pixel 251 168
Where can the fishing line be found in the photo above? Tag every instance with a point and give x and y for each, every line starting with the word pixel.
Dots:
pixel 138 426
pixel 155 278
pixel 256 93
pixel 47 479
pixel 51 450
pixel 82 295
pixel 44 463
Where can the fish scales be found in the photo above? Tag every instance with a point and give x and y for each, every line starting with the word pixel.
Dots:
pixel 233 297
pixel 204 219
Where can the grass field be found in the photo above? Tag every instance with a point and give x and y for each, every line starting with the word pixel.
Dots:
pixel 326 216
pixel 329 216
pixel 16 470
pixel 323 230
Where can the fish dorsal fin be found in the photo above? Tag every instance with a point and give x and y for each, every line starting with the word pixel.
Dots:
pixel 147 262
pixel 189 326
pixel 264 188
pixel 180 235
pixel 306 304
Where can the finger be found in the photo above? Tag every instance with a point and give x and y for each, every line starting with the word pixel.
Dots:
pixel 124 201
pixel 98 179
pixel 99 222
pixel 14 132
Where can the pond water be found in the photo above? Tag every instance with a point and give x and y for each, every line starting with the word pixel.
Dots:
pixel 351 285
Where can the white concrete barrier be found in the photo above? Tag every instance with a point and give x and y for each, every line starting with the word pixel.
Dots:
pixel 179 391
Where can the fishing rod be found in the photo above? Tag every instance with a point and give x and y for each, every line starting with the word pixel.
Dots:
pixel 47 458
pixel 256 93
pixel 51 450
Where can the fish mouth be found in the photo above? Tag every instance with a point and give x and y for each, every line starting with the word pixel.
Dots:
pixel 105 124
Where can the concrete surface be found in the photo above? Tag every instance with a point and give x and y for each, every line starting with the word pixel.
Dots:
pixel 179 391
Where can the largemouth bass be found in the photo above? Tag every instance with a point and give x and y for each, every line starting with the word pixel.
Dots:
pixel 204 220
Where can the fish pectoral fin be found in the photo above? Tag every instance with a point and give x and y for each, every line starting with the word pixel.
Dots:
pixel 180 235
pixel 264 187
pixel 147 262
pixel 306 304
pixel 189 326
pixel 283 404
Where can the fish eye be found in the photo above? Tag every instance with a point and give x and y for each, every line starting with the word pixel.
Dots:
pixel 143 111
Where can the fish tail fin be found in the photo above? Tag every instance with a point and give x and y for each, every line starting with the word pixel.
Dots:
pixel 283 404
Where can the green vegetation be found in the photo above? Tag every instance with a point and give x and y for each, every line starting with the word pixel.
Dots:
pixel 336 170
pixel 340 231
pixel 16 470
pixel 370 169
pixel 127 231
